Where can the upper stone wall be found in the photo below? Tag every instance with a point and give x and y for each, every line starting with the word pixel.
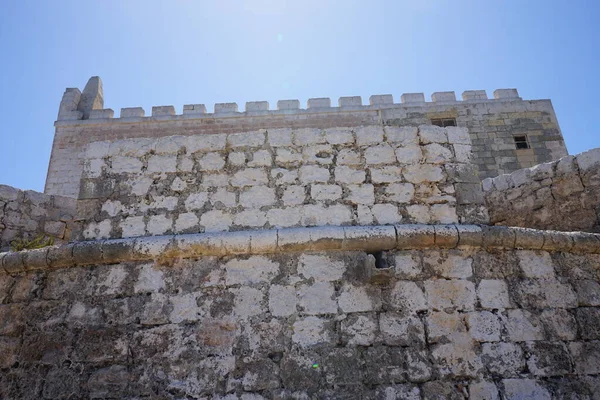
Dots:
pixel 25 215
pixel 279 178
pixel 492 123
pixel 561 195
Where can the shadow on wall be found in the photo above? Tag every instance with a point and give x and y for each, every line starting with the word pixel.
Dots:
pixel 562 195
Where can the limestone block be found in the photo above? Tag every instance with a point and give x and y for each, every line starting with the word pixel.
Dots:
pixel 215 180
pixel 166 202
pixel 211 162
pixel 318 298
pixel 194 109
pixel 196 201
pixel 432 134
pixel 101 114
pixel 246 139
pixel 399 192
pixel 253 106
pixel 443 96
pixel 588 292
pixel 185 221
pixel 387 174
pixel 457 358
pixel 310 174
pixel 493 294
pixel 386 214
pixel 253 218
pixel 463 153
pixel 368 135
pixel 128 165
pixel 406 266
pixel 215 221
pixel 409 155
pixel 284 176
pixel 158 163
pixel 503 359
pixel 361 194
pixel 339 136
pixel 420 213
pixel 159 224
pixel 536 264
pixel 286 217
pixel 261 158
pixel 102 229
pixel 351 101
pixel 158 111
pixel 559 324
pixel 318 154
pixel 320 267
pixel 349 175
pixel 249 177
pixel 449 265
pixel 423 173
pixel 484 326
pixel 323 102
pixel 506 94
pixel 257 196
pixel 524 389
pixel 256 269
pixel 132 226
pixel 406 297
pixel 308 136
pixel 311 331
pixel 359 330
pixel 443 327
pixel 325 192
pixel 236 158
pixel 293 195
pixel 450 294
pixel 248 302
pixel 150 279
pixel 588 160
pixel 474 95
pixel 483 390
pixel 212 142
pixel 523 326
pixel 358 299
pixel 548 359
pixel 288 104
pixel 282 300
pixel 382 154
pixel 412 98
pixel 279 137
pixel 399 330
pixel 444 214
pixel 586 357
pixel 380 99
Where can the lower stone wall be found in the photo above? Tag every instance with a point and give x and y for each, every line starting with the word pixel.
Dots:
pixel 562 195
pixel 434 323
pixel 25 214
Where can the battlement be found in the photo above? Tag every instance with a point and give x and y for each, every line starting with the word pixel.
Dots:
pixel 71 110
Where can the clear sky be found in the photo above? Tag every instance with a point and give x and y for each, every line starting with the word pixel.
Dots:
pixel 181 52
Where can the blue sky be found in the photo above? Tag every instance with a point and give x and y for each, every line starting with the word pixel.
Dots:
pixel 181 52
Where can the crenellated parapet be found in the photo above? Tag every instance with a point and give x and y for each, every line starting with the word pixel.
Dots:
pixel 73 111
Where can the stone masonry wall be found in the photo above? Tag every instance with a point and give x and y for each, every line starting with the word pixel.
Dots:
pixel 279 178
pixel 562 195
pixel 492 124
pixel 434 323
pixel 27 214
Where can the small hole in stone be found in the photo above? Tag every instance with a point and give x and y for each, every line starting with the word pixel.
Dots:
pixel 380 261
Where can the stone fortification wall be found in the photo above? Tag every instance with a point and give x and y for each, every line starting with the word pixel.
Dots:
pixel 492 124
pixel 24 215
pixel 453 312
pixel 279 178
pixel 562 195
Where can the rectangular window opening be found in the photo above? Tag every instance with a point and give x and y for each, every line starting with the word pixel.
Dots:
pixel 521 142
pixel 443 122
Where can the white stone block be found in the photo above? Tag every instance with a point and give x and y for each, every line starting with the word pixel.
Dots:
pixel 279 137
pixel 506 94
pixel 407 267
pixel 310 174
pixel 127 165
pixel 350 101
pixel 132 112
pixel 444 213
pixel 381 99
pixel 212 162
pixel 207 142
pixel 293 195
pixel 318 298
pixel 284 176
pixel 99 230
pixel 412 98
pixel 320 267
pixel 257 196
pixel 536 264
pixel 457 294
pixel 288 104
pixel 284 218
pixel 158 111
pixel 249 177
pixel 409 155
pixel 150 279
pixel 423 173
pixel 402 135
pixel 261 158
pixel 484 326
pixel 432 134
pixel 361 194
pixel 339 136
pixel 224 197
pixel 338 215
pixel 158 163
pixel 348 157
pixel 215 221
pixel 308 136
pixel 458 135
pixel 450 265
pixel 318 154
pixel 159 224
pixel 310 331
pixel 282 300
pixel 252 218
pixel 407 297
pixel 358 299
pixel 196 201
pixel 323 102
pixel 247 302
pixel 223 108
pixel 443 96
pixel 325 192
pixel 474 95
pixel 386 214
pixel 253 106
pixel 133 226
pixel 400 192
pixel 382 154
pixel 435 153
pixel 194 109
pixel 369 135
pixel 186 221
pixel 246 139
pixel 386 174
pixel 256 269
pixel 493 294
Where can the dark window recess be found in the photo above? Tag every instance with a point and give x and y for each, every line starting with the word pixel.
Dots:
pixel 521 142
pixel 443 122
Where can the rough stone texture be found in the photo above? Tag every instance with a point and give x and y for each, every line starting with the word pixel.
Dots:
pixel 25 215
pixel 281 178
pixel 491 124
pixel 562 195
pixel 303 325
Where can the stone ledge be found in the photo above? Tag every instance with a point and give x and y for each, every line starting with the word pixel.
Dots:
pixel 332 238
